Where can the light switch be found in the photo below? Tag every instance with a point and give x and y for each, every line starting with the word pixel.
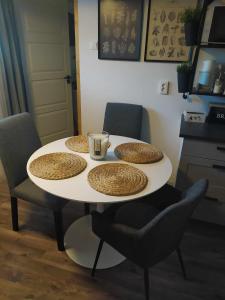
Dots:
pixel 164 87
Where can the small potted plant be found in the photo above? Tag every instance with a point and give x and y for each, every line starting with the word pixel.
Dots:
pixel 183 77
pixel 191 19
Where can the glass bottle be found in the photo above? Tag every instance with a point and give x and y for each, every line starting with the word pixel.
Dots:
pixel 218 86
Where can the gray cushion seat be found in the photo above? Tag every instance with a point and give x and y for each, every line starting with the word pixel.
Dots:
pixel 165 196
pixel 135 215
pixel 139 212
pixel 29 191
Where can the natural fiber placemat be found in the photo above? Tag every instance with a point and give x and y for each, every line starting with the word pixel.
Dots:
pixel 117 179
pixel 138 153
pixel 78 143
pixel 57 165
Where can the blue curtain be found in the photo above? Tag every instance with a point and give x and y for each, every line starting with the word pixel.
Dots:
pixel 11 64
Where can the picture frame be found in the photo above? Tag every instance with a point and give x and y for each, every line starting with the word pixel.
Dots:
pixel 120 29
pixel 165 37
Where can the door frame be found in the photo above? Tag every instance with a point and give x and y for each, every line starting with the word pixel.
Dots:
pixel 77 54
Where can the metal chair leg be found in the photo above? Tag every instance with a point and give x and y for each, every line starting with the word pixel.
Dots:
pixel 146 279
pixel 59 229
pixel 181 263
pixel 87 209
pixel 14 213
pixel 97 257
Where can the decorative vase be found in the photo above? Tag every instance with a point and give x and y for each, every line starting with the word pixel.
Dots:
pixel 191 33
pixel 183 81
pixel 207 76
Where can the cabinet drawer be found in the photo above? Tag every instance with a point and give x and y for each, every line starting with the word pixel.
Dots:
pixel 193 168
pixel 204 149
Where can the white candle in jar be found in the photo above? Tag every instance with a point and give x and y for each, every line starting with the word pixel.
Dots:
pixel 98 145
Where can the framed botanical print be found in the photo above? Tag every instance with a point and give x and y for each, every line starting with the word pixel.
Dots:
pixel 120 29
pixel 165 41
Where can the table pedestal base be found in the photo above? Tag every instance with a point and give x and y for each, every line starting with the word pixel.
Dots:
pixel 81 246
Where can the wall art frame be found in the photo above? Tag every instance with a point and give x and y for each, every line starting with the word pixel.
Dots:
pixel 120 29
pixel 165 40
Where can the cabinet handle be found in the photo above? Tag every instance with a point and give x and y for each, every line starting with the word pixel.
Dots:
pixel 221 148
pixel 211 199
pixel 219 167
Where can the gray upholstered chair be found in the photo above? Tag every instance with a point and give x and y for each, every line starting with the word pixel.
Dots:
pixel 123 119
pixel 145 234
pixel 18 140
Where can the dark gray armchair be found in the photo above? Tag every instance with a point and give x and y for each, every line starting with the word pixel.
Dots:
pixel 143 233
pixel 123 119
pixel 18 140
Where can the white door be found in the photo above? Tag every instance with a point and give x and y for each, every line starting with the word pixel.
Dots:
pixel 43 26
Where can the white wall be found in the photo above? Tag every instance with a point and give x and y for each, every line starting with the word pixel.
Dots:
pixel 133 82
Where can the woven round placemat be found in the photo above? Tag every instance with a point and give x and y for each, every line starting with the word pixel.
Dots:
pixel 117 179
pixel 78 143
pixel 58 165
pixel 138 153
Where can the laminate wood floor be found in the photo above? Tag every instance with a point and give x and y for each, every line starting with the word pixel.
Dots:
pixel 32 268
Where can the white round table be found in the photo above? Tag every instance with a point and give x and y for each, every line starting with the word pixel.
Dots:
pixel 80 242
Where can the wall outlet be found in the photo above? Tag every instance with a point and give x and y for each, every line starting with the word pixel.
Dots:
pixel 93 45
pixel 164 87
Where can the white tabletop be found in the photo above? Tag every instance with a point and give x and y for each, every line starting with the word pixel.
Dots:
pixel 78 189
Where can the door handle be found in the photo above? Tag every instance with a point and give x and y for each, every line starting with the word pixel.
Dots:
pixel 68 79
pixel 221 148
pixel 222 168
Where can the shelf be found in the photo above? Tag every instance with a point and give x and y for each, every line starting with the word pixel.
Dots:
pixel 200 46
pixel 212 45
pixel 213 132
pixel 207 94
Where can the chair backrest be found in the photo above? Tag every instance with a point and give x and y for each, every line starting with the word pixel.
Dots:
pixel 123 119
pixel 18 140
pixel 163 234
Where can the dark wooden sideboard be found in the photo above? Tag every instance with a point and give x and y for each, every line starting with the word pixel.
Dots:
pixel 203 156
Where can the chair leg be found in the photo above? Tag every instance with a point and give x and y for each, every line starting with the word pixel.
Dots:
pixel 97 257
pixel 146 279
pixel 14 213
pixel 181 262
pixel 59 229
pixel 87 209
